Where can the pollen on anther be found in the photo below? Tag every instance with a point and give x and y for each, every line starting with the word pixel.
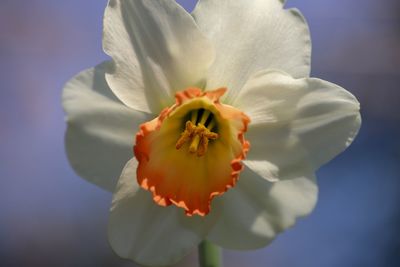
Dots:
pixel 198 132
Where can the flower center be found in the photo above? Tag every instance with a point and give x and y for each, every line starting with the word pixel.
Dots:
pixel 192 151
pixel 198 131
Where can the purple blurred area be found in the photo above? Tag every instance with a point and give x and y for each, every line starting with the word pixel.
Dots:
pixel 51 217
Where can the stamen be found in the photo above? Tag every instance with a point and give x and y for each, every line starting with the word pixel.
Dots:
pixel 204 117
pixel 186 135
pixel 211 125
pixel 198 135
pixel 195 114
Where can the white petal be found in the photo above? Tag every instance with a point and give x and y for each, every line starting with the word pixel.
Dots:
pixel 101 130
pixel 149 234
pixel 296 124
pixel 255 210
pixel 157 50
pixel 250 36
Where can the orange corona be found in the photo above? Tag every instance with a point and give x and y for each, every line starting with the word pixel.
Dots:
pixel 192 151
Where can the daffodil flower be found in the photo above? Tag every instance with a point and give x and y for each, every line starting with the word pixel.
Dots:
pixel 215 118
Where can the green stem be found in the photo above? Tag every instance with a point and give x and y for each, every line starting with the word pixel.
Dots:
pixel 209 255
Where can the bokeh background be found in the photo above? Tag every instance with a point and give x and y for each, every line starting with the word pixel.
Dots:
pixel 51 217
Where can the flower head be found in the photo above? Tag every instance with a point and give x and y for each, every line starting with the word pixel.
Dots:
pixel 215 118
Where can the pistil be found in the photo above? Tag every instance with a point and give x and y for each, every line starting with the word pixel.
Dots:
pixel 194 145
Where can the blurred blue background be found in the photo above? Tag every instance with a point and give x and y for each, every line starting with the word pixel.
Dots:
pixel 51 217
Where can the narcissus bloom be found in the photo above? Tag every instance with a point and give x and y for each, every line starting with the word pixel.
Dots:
pixel 215 118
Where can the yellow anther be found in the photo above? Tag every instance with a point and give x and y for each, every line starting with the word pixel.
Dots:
pixel 204 146
pixel 198 136
pixel 186 135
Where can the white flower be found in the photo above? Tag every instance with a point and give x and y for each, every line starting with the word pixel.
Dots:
pixel 198 147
